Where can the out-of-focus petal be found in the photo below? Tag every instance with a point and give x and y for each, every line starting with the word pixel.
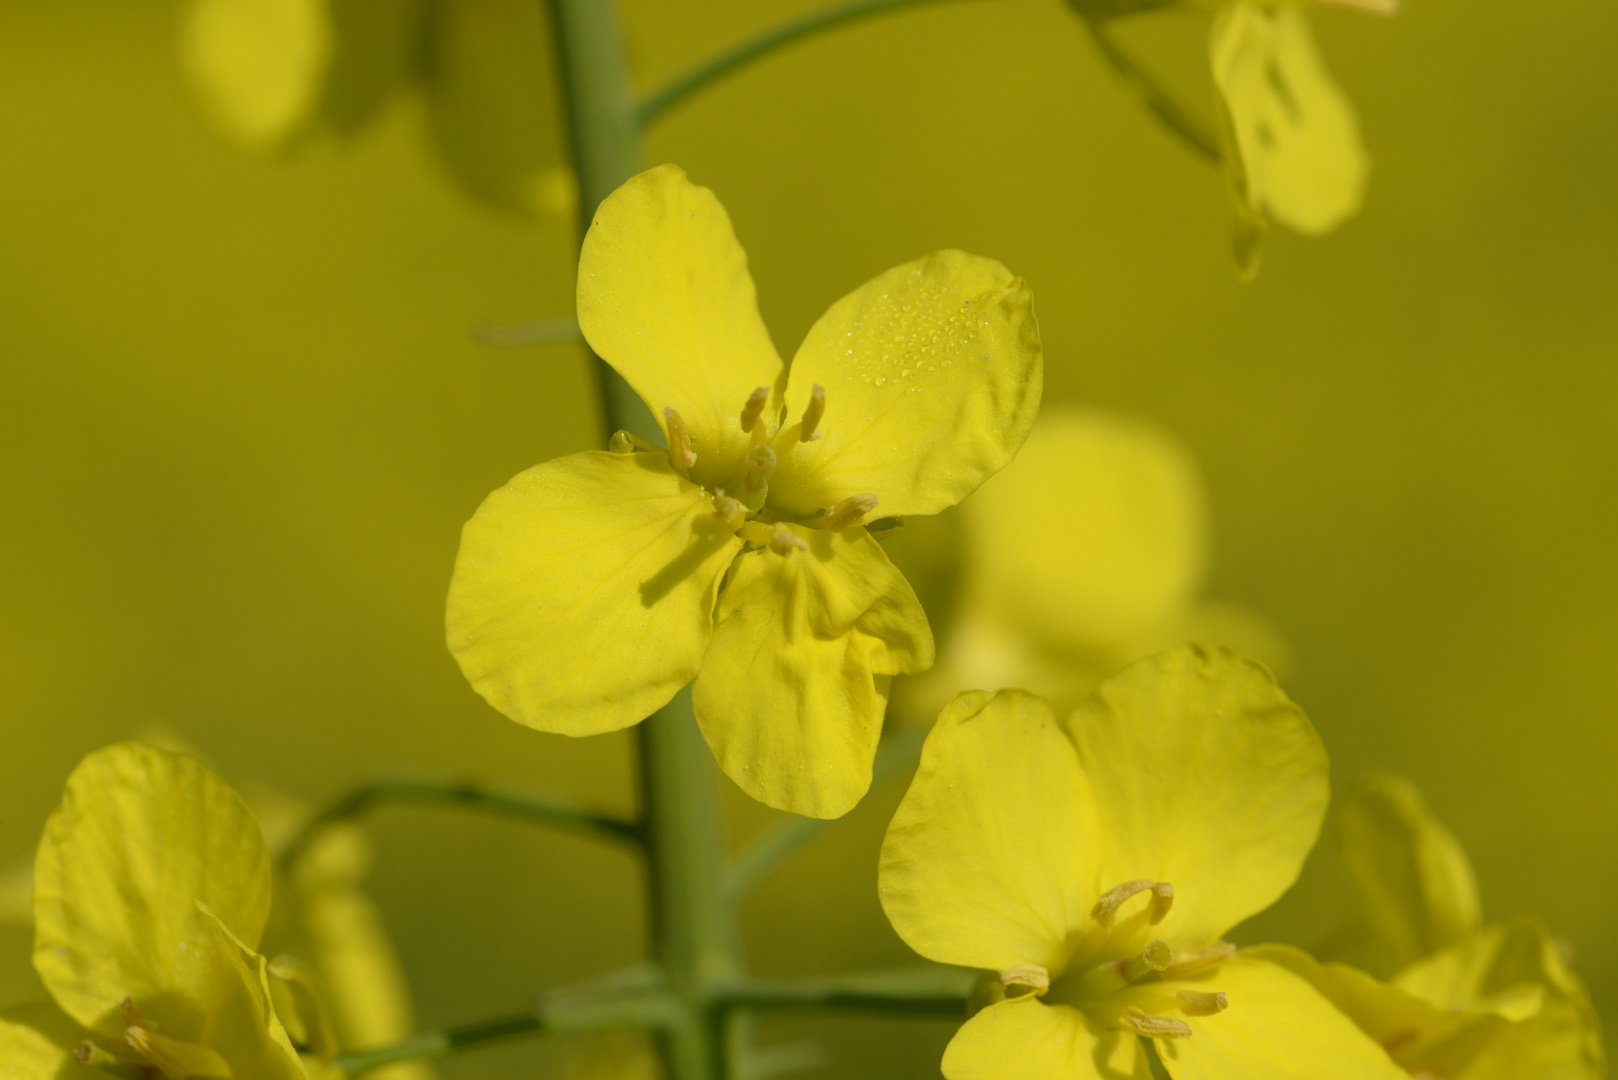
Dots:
pixel 1024 1039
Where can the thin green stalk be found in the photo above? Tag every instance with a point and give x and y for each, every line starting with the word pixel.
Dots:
pixel 1176 117
pixel 539 332
pixel 770 850
pixel 925 991
pixel 435 1044
pixel 467 796
pixel 660 101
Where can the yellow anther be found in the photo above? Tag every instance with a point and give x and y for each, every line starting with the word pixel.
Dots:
pixel 1106 909
pixel 760 463
pixel 88 1053
pixel 1197 1003
pixel 754 407
pixel 1196 961
pixel 1144 1023
pixel 1158 956
pixel 810 429
pixel 784 541
pixel 728 510
pixel 849 511
pixel 622 442
pixel 680 451
pixel 1025 979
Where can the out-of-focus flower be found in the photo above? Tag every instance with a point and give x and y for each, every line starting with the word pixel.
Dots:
pixel 1084 554
pixel 1465 1002
pixel 152 888
pixel 1094 864
pixel 591 588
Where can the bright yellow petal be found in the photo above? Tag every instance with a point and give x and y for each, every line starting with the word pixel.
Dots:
pixel 1277 1027
pixel 583 592
pixel 932 374
pixel 794 685
pixel 241 1024
pixel 37 1043
pixel 1206 777
pixel 1413 878
pixel 141 836
pixel 666 299
pixel 990 861
pixel 1027 1040
pixel 258 65
pixel 1293 141
pixel 1096 533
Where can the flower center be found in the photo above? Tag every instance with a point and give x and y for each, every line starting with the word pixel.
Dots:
pixel 174 1058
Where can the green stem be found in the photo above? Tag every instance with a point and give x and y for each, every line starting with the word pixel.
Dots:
pixel 660 101
pixel 544 811
pixel 1176 117
pixel 770 850
pixel 435 1044
pixel 927 991
pixel 540 332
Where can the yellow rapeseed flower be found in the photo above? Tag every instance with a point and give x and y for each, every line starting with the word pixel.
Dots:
pixel 152 887
pixel 591 588
pixel 1094 864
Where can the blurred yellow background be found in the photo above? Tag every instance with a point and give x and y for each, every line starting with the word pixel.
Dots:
pixel 242 421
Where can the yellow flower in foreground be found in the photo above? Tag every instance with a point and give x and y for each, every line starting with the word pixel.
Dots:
pixel 1465 1003
pixel 1084 554
pixel 152 886
pixel 1094 864
pixel 591 588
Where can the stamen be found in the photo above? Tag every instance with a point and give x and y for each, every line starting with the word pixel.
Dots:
pixel 849 511
pixel 1144 1023
pixel 754 407
pixel 784 541
pixel 622 442
pixel 88 1053
pixel 680 451
pixel 1030 978
pixel 761 462
pixel 1106 909
pixel 810 431
pixel 1196 961
pixel 1158 956
pixel 1197 1003
pixel 728 510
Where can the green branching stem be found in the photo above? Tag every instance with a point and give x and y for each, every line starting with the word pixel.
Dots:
pixel 466 796
pixel 540 332
pixel 1175 116
pixel 661 100
pixel 920 991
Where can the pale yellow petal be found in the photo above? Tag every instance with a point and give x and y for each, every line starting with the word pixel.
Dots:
pixel 666 299
pixel 1026 1040
pixel 991 859
pixel 1095 534
pixel 932 375
pixel 1206 777
pixel 258 65
pixel 1293 142
pixel 583 592
pixel 794 685
pixel 1413 878
pixel 1277 1027
pixel 141 836
pixel 37 1043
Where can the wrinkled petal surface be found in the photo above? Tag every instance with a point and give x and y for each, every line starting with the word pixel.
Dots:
pixel 583 592
pixel 991 859
pixel 1206 777
pixel 666 299
pixel 1278 1027
pixel 1024 1040
pixel 932 373
pixel 1293 142
pixel 142 835
pixel 794 685
pixel 241 1024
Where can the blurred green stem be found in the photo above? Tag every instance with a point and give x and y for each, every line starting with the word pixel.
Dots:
pixel 672 93
pixel 1176 117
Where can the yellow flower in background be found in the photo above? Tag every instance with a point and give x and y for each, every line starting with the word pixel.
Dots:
pixel 152 887
pixel 1094 864
pixel 590 589
pixel 1464 1002
pixel 1084 554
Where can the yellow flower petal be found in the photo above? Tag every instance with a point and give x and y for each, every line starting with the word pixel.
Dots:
pixel 583 592
pixel 141 836
pixel 932 374
pixel 1096 532
pixel 1206 777
pixel 37 1043
pixel 241 1025
pixel 794 685
pixel 1278 1027
pixel 666 299
pixel 991 858
pixel 258 65
pixel 1413 878
pixel 1025 1040
pixel 1293 147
